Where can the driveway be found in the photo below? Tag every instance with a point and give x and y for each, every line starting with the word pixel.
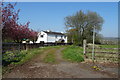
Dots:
pixel 36 68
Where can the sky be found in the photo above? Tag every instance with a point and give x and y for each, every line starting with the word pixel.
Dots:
pixel 61 0
pixel 50 15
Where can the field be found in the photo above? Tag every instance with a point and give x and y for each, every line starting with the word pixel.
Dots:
pixel 108 46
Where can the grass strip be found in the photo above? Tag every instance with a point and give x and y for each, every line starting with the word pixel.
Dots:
pixel 73 54
pixel 49 58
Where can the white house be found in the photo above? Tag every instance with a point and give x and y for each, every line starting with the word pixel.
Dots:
pixel 49 36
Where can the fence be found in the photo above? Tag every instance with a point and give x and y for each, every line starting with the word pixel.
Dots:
pixel 24 46
pixel 104 54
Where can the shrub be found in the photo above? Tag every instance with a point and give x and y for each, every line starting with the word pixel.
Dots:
pixel 9 57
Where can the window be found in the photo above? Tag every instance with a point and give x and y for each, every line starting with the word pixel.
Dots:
pixel 41 36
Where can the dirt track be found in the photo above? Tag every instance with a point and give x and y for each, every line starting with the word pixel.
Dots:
pixel 36 68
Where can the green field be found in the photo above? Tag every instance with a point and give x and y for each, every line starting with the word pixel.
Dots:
pixel 108 46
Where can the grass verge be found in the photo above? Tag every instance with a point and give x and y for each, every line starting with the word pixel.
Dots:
pixel 73 54
pixel 29 54
pixel 23 56
pixel 13 59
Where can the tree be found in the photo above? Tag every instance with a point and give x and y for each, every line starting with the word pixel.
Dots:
pixel 9 19
pixel 13 30
pixel 33 35
pixel 82 24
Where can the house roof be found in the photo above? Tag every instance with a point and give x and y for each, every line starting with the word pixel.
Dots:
pixel 50 32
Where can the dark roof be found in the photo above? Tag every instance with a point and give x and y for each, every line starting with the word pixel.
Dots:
pixel 58 33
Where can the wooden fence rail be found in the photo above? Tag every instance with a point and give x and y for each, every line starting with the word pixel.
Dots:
pixel 106 48
pixel 103 50
pixel 24 46
pixel 104 54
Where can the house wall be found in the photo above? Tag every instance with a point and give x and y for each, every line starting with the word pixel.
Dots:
pixel 59 37
pixel 44 38
pixel 53 38
pixel 66 39
pixel 49 37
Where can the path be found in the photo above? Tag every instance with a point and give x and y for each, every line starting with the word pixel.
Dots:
pixel 36 68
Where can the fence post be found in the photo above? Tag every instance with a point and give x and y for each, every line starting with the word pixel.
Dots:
pixel 93 50
pixel 26 46
pixel 84 47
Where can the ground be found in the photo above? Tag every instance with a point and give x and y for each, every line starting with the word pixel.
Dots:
pixel 37 68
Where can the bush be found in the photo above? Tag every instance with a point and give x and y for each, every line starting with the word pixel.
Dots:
pixel 9 57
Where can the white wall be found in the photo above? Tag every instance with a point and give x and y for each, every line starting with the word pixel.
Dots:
pixel 65 39
pixel 53 38
pixel 44 38
pixel 49 37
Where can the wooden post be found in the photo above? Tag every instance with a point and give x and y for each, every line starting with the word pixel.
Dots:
pixel 93 44
pixel 27 46
pixel 84 47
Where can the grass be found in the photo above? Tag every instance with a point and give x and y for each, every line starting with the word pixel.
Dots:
pixel 73 54
pixel 49 58
pixel 28 54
